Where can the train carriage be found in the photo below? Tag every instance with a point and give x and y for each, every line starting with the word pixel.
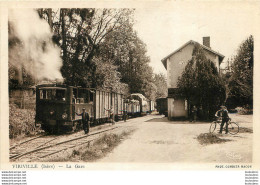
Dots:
pixel 132 107
pixel 151 106
pixel 144 104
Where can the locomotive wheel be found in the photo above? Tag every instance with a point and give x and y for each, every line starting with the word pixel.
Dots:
pixel 49 129
pixel 57 128
pixel 46 128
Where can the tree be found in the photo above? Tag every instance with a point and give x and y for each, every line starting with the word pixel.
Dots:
pixel 201 83
pixel 241 77
pixel 161 85
pixel 97 43
pixel 108 78
pixel 125 49
pixel 79 33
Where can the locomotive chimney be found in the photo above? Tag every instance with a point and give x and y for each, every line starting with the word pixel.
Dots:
pixel 206 41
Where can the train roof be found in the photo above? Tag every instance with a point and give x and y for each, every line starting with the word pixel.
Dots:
pixel 60 88
pixel 52 85
pixel 64 86
pixel 139 95
pixel 161 98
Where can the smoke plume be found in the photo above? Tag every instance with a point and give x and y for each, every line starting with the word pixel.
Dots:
pixel 31 46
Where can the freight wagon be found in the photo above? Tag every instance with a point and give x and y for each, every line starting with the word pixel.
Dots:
pixel 162 106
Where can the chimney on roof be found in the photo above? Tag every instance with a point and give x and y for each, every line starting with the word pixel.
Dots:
pixel 206 41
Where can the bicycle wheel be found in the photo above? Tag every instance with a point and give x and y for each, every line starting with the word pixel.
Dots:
pixel 233 128
pixel 212 126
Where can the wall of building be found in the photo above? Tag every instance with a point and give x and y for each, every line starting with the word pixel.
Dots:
pixel 177 62
pixel 177 108
pixel 214 58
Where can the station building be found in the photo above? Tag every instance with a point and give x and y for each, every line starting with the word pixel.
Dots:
pixel 175 64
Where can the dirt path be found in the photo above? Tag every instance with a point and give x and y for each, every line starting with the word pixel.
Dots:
pixel 159 140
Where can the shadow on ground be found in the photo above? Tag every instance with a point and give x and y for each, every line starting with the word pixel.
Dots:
pixel 245 130
pixel 209 138
pixel 165 119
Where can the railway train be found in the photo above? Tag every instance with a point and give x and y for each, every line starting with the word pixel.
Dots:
pixel 146 106
pixel 57 105
pixel 162 106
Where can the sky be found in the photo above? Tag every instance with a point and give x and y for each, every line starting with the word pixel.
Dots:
pixel 166 28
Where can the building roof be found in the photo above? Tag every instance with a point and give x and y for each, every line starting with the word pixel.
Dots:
pixel 221 57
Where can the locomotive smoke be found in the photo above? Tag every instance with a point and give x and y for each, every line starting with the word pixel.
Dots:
pixel 31 47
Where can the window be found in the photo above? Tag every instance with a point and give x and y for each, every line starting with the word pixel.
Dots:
pixel 42 94
pixel 60 94
pixel 52 94
pixel 91 96
pixel 84 95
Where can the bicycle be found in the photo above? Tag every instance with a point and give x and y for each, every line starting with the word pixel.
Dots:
pixel 233 127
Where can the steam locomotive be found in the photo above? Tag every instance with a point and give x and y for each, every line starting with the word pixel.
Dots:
pixel 57 105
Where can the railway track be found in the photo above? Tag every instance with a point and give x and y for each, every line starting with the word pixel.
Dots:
pixel 38 148
pixel 41 147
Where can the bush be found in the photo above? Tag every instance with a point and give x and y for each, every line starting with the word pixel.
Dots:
pixel 244 110
pixel 232 110
pixel 21 121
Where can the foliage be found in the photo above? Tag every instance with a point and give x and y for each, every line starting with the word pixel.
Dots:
pixel 123 48
pixel 161 85
pixel 80 32
pixel 100 49
pixel 108 78
pixel 21 121
pixel 101 147
pixel 241 77
pixel 244 110
pixel 201 83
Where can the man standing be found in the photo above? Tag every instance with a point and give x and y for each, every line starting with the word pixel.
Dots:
pixel 85 120
pixel 194 113
pixel 111 114
pixel 223 113
pixel 124 115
